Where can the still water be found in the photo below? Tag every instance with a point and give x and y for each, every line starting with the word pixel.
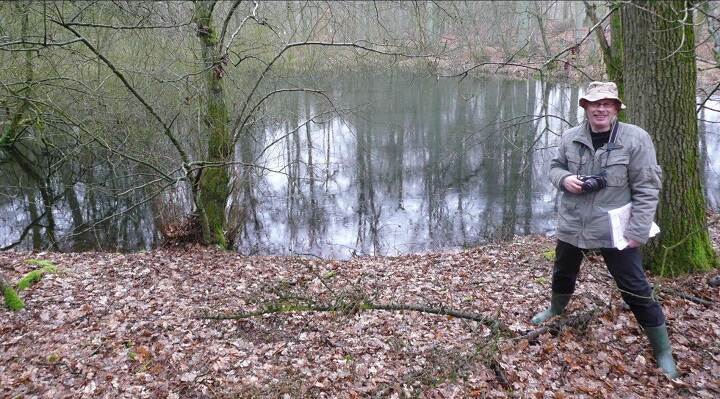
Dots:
pixel 396 164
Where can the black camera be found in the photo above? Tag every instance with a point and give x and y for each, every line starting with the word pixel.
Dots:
pixel 592 183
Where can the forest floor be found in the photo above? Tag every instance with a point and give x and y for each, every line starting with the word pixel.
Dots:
pixel 131 325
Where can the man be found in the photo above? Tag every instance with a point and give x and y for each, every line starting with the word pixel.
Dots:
pixel 601 165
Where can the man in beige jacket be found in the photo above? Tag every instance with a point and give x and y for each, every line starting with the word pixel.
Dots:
pixel 601 165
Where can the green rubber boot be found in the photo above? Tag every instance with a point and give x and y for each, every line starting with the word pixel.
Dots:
pixel 558 302
pixel 660 342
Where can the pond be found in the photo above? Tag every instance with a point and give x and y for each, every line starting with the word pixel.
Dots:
pixel 396 164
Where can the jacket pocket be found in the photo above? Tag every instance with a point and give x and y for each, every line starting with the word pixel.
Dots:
pixel 616 169
pixel 569 214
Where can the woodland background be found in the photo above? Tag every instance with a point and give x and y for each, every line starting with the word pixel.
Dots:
pixel 113 114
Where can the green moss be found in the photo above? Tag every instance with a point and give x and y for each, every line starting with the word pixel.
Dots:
pixel 286 306
pixel 212 37
pixel 549 255
pixel 695 257
pixel 541 280
pixel 214 194
pixel 220 237
pixel 12 300
pixel 36 275
pixel 42 263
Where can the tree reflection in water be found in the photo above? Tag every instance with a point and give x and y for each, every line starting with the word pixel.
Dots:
pixel 410 165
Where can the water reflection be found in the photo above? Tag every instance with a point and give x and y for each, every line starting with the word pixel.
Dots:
pixel 410 165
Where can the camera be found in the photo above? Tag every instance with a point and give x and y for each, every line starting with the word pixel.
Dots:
pixel 592 183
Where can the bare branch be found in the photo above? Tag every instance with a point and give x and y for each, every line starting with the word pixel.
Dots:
pixel 712 92
pixel 228 17
pixel 26 230
pixel 137 26
pixel 590 31
pixel 39 45
pixel 232 37
pixel 148 107
pixel 238 127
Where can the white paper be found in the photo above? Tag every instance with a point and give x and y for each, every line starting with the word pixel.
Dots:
pixel 619 219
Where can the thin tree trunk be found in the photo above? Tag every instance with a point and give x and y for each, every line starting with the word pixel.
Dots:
pixel 612 50
pixel 214 190
pixel 541 27
pixel 34 215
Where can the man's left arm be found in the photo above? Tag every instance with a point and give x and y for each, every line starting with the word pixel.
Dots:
pixel 645 180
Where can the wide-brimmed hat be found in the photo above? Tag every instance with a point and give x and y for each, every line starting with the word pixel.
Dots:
pixel 597 91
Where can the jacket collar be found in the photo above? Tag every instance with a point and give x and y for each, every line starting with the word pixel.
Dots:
pixel 583 136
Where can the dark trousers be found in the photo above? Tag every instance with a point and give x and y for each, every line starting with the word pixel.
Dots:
pixel 626 268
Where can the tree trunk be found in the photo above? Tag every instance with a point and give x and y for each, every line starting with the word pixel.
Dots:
pixel 660 81
pixel 34 215
pixel 214 190
pixel 541 26
pixel 615 72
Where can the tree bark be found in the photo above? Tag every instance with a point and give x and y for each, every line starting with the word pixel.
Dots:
pixel 660 80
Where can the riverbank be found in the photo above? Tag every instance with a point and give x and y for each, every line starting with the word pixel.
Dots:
pixel 131 325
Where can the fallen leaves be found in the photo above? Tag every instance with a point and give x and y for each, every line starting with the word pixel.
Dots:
pixel 122 325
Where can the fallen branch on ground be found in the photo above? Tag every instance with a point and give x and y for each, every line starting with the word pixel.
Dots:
pixel 490 322
pixel 689 297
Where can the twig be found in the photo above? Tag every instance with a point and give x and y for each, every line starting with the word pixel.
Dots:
pixel 689 297
pixel 499 374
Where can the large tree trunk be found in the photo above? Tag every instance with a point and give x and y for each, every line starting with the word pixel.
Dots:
pixel 214 190
pixel 659 64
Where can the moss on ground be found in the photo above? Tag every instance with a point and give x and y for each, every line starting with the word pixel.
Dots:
pixel 12 300
pixel 36 275
pixel 549 255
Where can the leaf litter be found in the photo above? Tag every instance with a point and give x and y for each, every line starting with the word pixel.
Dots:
pixel 129 326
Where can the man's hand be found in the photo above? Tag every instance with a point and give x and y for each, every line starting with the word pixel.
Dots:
pixel 572 184
pixel 633 243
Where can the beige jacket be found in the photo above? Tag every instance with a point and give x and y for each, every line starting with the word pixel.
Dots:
pixel 632 175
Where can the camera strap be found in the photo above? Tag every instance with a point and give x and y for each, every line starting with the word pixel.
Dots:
pixel 613 136
pixel 610 144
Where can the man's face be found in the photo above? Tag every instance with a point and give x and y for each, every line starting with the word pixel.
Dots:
pixel 600 114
